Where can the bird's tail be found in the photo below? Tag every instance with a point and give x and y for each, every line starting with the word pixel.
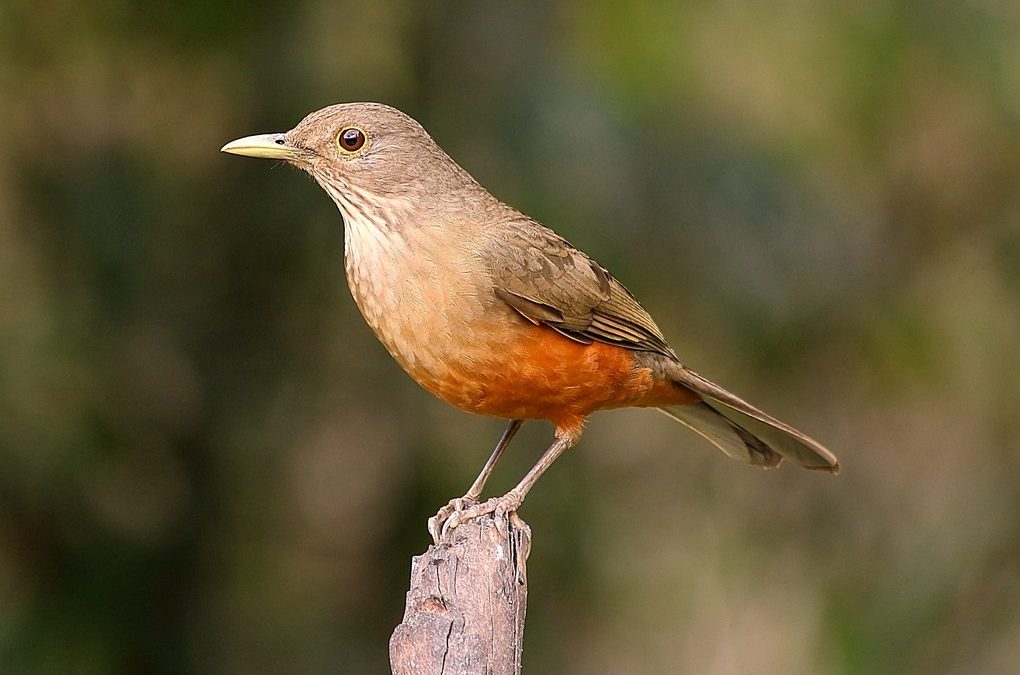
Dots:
pixel 745 433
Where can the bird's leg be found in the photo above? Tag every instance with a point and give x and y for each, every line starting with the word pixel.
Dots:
pixel 435 524
pixel 475 491
pixel 511 501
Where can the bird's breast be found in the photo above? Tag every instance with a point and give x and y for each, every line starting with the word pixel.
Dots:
pixel 421 291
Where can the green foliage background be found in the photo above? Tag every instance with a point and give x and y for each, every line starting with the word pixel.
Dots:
pixel 209 465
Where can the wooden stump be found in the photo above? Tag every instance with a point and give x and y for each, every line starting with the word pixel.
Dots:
pixel 465 609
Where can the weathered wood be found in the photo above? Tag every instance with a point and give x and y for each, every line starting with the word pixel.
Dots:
pixel 465 609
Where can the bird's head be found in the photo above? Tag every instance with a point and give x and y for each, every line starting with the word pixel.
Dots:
pixel 366 148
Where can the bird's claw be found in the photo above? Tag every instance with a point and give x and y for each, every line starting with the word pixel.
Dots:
pixel 463 509
pixel 437 524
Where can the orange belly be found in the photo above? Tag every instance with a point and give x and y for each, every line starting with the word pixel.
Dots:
pixel 539 374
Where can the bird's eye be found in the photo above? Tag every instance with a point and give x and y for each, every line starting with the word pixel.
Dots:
pixel 351 139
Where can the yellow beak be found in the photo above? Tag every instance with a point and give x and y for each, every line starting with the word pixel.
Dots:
pixel 268 146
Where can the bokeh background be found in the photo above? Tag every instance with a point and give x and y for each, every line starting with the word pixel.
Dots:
pixel 209 465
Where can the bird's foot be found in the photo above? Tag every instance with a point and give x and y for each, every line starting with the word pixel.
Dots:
pixel 463 509
pixel 437 523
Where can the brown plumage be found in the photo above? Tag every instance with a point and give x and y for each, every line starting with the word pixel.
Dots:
pixel 492 311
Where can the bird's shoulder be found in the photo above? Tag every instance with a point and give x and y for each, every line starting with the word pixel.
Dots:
pixel 549 281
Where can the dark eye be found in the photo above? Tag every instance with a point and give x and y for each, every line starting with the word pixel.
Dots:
pixel 351 139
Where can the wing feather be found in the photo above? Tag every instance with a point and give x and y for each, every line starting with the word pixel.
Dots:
pixel 548 281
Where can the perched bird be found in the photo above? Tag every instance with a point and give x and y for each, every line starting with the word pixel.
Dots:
pixel 492 311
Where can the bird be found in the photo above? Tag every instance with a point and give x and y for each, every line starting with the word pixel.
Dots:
pixel 495 313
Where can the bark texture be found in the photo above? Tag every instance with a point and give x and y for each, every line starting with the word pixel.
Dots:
pixel 465 609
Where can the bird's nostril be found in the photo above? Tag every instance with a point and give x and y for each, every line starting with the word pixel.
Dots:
pixel 279 141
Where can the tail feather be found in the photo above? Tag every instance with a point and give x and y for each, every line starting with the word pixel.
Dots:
pixel 743 432
pixel 703 420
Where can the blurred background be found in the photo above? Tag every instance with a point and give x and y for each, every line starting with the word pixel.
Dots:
pixel 209 465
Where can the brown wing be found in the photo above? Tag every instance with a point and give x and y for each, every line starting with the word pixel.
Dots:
pixel 549 282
